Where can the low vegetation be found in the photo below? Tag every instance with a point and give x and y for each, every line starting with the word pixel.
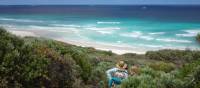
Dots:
pixel 38 62
pixel 198 37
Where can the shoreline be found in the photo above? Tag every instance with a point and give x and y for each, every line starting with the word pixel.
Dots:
pixel 115 48
pixel 105 47
pixel 99 46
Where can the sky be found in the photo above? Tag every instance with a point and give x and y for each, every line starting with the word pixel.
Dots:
pixel 100 2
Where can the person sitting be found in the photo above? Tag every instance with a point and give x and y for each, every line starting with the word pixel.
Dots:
pixel 117 74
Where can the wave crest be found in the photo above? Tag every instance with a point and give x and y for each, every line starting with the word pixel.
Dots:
pixel 173 40
pixel 20 20
pixel 104 22
pixel 156 33
pixel 189 33
pixel 64 25
pixel 105 30
pixel 137 34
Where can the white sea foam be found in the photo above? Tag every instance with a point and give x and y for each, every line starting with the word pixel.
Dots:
pixel 193 31
pixel 134 34
pixel 186 35
pixel 119 41
pixel 103 22
pixel 105 28
pixel 55 29
pixel 20 20
pixel 156 33
pixel 189 33
pixel 137 34
pixel 64 25
pixel 146 37
pixel 50 27
pixel 105 32
pixel 173 40
pixel 151 46
pixel 7 26
pixel 140 35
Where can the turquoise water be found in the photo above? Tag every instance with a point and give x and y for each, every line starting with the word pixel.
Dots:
pixel 125 31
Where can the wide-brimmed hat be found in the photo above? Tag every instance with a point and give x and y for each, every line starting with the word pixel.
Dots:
pixel 120 64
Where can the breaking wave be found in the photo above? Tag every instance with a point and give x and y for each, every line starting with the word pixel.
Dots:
pixel 20 20
pixel 189 33
pixel 104 22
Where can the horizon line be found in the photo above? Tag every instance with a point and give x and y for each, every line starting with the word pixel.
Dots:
pixel 105 4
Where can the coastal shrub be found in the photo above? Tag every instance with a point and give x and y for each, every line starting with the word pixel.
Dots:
pixel 175 56
pixel 162 66
pixel 148 71
pixel 60 47
pixel 198 37
pixel 82 60
pixel 34 64
pixel 142 81
pixel 101 68
pixel 195 79
pixel 190 74
pixel 20 65
pixel 129 55
pixel 99 76
pixel 188 69
pixel 62 72
pixel 167 80
pixel 150 78
pixel 109 53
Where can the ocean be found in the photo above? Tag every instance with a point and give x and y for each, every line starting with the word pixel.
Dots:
pixel 128 28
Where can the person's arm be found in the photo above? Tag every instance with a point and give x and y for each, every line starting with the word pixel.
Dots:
pixel 126 74
pixel 110 71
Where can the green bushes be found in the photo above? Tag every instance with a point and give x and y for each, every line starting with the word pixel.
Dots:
pixel 62 72
pixel 20 65
pixel 190 74
pixel 82 60
pixel 33 64
pixel 149 78
pixel 142 81
pixel 163 66
pixel 175 56
pixel 198 37
pixel 185 77
pixel 98 75
pixel 188 68
pixel 60 50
